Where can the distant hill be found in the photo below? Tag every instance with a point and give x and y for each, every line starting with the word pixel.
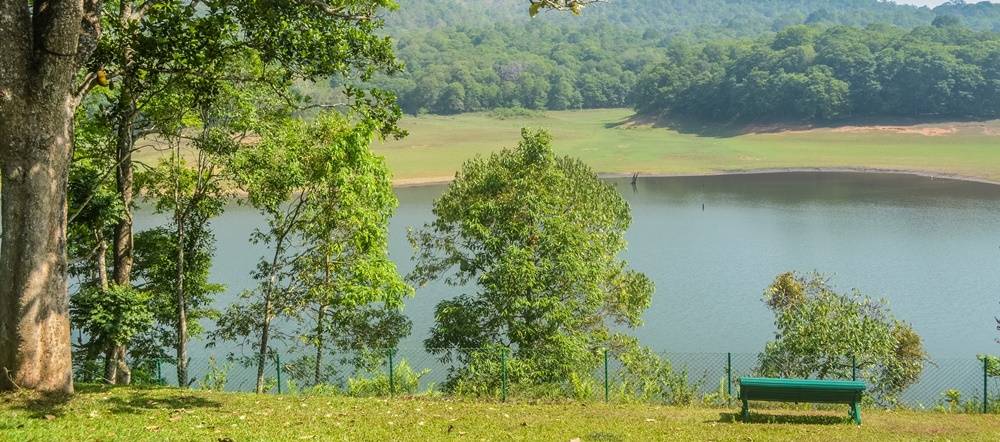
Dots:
pixel 466 56
pixel 735 18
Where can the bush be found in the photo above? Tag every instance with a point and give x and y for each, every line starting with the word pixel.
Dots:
pixel 514 112
pixel 404 382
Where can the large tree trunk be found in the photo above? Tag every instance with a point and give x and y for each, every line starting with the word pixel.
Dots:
pixel 38 63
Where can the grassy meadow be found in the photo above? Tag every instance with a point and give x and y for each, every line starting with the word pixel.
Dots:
pixel 102 413
pixel 612 143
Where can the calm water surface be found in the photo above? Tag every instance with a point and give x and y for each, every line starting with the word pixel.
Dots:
pixel 712 244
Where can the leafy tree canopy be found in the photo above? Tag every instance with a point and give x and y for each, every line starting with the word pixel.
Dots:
pixel 819 331
pixel 538 236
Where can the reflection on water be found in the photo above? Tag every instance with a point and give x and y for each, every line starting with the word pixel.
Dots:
pixel 712 244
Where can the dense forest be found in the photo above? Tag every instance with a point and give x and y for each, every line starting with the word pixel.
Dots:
pixel 706 18
pixel 805 74
pixel 815 59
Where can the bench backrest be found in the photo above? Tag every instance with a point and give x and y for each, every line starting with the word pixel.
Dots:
pixel 801 390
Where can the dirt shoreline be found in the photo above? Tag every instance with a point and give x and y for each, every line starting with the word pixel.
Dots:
pixel 426 181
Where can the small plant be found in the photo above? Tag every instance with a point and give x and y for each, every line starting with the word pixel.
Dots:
pixel 270 384
pixel 583 388
pixel 316 390
pixel 952 399
pixel 717 398
pixel 404 381
pixel 652 379
pixel 215 377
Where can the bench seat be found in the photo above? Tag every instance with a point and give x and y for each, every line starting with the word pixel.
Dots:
pixel 802 390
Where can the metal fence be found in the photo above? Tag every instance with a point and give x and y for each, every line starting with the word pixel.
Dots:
pixel 968 385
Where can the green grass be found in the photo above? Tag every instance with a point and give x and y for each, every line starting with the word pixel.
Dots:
pixel 612 144
pixel 164 414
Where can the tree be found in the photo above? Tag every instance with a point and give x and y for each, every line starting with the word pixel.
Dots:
pixel 538 236
pixel 192 196
pixel 43 44
pixel 820 331
pixel 94 210
pixel 327 199
pixel 46 68
pixel 111 316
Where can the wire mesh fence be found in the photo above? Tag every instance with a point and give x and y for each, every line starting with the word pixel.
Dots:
pixel 967 385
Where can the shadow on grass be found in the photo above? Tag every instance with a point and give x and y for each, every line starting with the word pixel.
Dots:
pixel 118 400
pixel 39 405
pixel 796 419
pixel 728 129
pixel 140 401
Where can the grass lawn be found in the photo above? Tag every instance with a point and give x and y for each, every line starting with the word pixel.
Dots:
pixel 611 143
pixel 100 413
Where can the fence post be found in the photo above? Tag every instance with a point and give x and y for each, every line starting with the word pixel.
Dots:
pixel 277 363
pixel 986 359
pixel 392 378
pixel 854 368
pixel 159 371
pixel 605 375
pixel 503 362
pixel 729 379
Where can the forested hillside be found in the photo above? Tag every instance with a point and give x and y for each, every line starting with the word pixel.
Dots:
pixel 464 56
pixel 733 18
pixel 806 74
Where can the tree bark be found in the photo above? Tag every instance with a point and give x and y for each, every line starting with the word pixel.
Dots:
pixel 123 242
pixel 265 329
pixel 317 369
pixel 38 63
pixel 182 338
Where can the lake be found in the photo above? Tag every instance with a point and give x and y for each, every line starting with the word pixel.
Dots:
pixel 712 244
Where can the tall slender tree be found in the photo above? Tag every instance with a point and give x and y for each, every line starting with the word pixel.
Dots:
pixel 327 199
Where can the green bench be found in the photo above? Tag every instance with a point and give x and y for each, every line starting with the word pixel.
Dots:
pixel 802 390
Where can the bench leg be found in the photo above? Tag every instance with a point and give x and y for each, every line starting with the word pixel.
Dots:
pixel 746 411
pixel 856 413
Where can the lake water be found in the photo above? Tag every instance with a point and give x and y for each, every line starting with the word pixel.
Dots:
pixel 712 244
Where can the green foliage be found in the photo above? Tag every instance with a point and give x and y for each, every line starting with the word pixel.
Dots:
pixel 475 56
pixel 503 113
pixel 327 199
pixel 528 373
pixel 404 382
pixel 537 67
pixel 111 316
pixel 539 235
pixel 992 365
pixel 318 390
pixel 820 331
pixel 952 399
pixel 648 378
pixel 156 264
pixel 688 18
pixel 216 375
pixel 803 73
